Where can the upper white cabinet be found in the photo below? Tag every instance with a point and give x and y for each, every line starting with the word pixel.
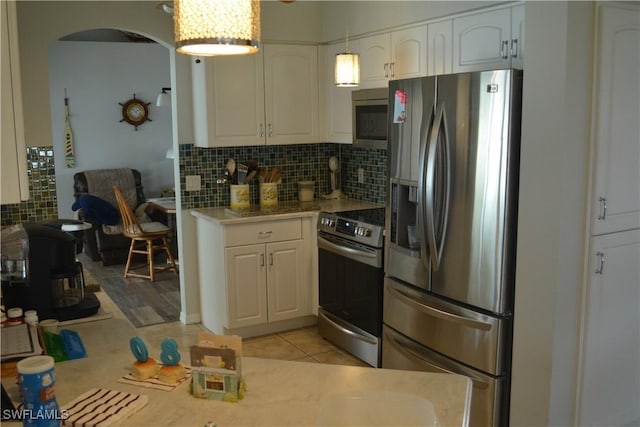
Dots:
pixel 440 48
pixel 489 40
pixel 270 97
pixel 396 55
pixel 337 99
pixel 14 185
pixel 616 174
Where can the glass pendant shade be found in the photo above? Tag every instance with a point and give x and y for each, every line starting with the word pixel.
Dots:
pixel 347 72
pixel 217 27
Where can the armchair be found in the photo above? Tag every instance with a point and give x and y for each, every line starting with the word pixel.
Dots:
pixel 106 242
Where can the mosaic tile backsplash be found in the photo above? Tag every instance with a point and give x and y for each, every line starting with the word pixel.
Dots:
pixel 298 162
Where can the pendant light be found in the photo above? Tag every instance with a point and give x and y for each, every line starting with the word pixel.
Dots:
pixel 347 71
pixel 217 27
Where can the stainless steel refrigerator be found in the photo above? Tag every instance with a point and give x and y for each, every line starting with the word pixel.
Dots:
pixel 451 223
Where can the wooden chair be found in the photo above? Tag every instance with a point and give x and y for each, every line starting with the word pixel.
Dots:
pixel 142 238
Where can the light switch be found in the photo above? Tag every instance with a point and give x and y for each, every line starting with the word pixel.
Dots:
pixel 193 182
pixel 360 176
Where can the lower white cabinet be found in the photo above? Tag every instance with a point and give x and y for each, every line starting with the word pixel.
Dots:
pixel 265 283
pixel 256 277
pixel 609 389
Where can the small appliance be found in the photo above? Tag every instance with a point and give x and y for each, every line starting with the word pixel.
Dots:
pixel 369 118
pixel 40 272
pixel 334 167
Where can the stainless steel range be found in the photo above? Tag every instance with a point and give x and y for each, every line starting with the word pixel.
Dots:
pixel 351 279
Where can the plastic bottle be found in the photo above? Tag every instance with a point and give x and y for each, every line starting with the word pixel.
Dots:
pixel 31 317
pixel 15 316
pixel 37 379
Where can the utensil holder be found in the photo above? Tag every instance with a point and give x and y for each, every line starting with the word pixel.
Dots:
pixel 268 194
pixel 239 196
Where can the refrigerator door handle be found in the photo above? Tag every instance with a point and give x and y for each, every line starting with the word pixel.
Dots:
pixel 434 312
pixel 439 125
pixel 421 212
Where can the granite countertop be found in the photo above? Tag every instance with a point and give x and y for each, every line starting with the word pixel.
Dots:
pixel 283 210
pixel 283 393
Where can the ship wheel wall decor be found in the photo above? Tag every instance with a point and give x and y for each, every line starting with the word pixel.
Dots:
pixel 135 111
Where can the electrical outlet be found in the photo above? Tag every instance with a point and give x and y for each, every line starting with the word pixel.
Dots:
pixel 193 183
pixel 360 176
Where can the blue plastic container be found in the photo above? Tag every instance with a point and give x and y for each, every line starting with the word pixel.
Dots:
pixel 37 380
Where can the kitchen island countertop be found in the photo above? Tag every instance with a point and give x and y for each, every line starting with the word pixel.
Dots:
pixel 284 210
pixel 282 393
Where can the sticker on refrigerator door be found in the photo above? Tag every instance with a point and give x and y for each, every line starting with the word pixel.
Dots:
pixel 400 107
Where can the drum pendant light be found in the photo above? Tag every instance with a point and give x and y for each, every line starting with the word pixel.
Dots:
pixel 217 27
pixel 347 71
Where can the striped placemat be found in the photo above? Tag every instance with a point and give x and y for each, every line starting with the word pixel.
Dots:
pixel 154 382
pixel 102 407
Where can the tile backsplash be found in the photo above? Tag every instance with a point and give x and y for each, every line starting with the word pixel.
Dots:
pixel 298 163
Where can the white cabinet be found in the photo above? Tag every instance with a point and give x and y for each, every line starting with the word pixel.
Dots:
pixel 256 277
pixel 615 197
pixel 266 98
pixel 609 379
pixel 489 40
pixel 396 55
pixel 440 48
pixel 338 99
pixel 14 182
pixel 610 368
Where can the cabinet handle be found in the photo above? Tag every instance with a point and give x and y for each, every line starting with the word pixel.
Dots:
pixel 514 48
pixel 600 268
pixel 270 130
pixel 504 49
pixel 264 233
pixel 393 69
pixel 261 260
pixel 261 131
pixel 271 259
pixel 386 69
pixel 603 208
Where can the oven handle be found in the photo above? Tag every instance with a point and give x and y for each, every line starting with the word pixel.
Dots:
pixel 347 331
pixel 343 250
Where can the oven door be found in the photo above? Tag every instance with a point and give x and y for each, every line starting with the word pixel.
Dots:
pixel 351 278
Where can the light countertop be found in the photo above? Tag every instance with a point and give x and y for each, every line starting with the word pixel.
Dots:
pixel 284 210
pixel 282 393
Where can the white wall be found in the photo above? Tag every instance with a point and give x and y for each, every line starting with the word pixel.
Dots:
pixel 98 76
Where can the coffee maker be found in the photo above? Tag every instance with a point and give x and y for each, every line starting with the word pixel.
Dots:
pixel 40 272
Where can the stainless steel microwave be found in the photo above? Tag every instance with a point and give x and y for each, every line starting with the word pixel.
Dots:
pixel 369 115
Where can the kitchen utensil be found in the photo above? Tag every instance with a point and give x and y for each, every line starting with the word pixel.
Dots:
pixel 250 176
pixel 231 166
pixel 276 172
pixel 242 171
pixel 262 174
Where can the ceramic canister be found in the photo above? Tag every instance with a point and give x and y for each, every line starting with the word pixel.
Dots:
pixel 37 379
pixel 268 194
pixel 239 196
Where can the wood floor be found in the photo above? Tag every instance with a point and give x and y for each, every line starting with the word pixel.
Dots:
pixel 143 302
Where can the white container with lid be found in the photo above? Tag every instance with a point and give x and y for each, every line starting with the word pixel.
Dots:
pixel 15 316
pixel 31 317
pixel 305 191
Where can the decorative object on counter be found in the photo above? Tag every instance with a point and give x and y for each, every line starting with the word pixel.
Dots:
pixel 268 193
pixel 144 367
pixel 305 191
pixel 171 372
pixel 239 196
pixel 207 28
pixel 37 378
pixel 102 407
pixel 334 166
pixel 216 368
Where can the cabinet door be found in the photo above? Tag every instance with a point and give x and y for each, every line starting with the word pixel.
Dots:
pixel 246 285
pixel 609 391
pixel 409 53
pixel 440 48
pixel 338 99
pixel 14 182
pixel 229 101
pixel 481 41
pixel 374 61
pixel 287 291
pixel 616 198
pixel 291 94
